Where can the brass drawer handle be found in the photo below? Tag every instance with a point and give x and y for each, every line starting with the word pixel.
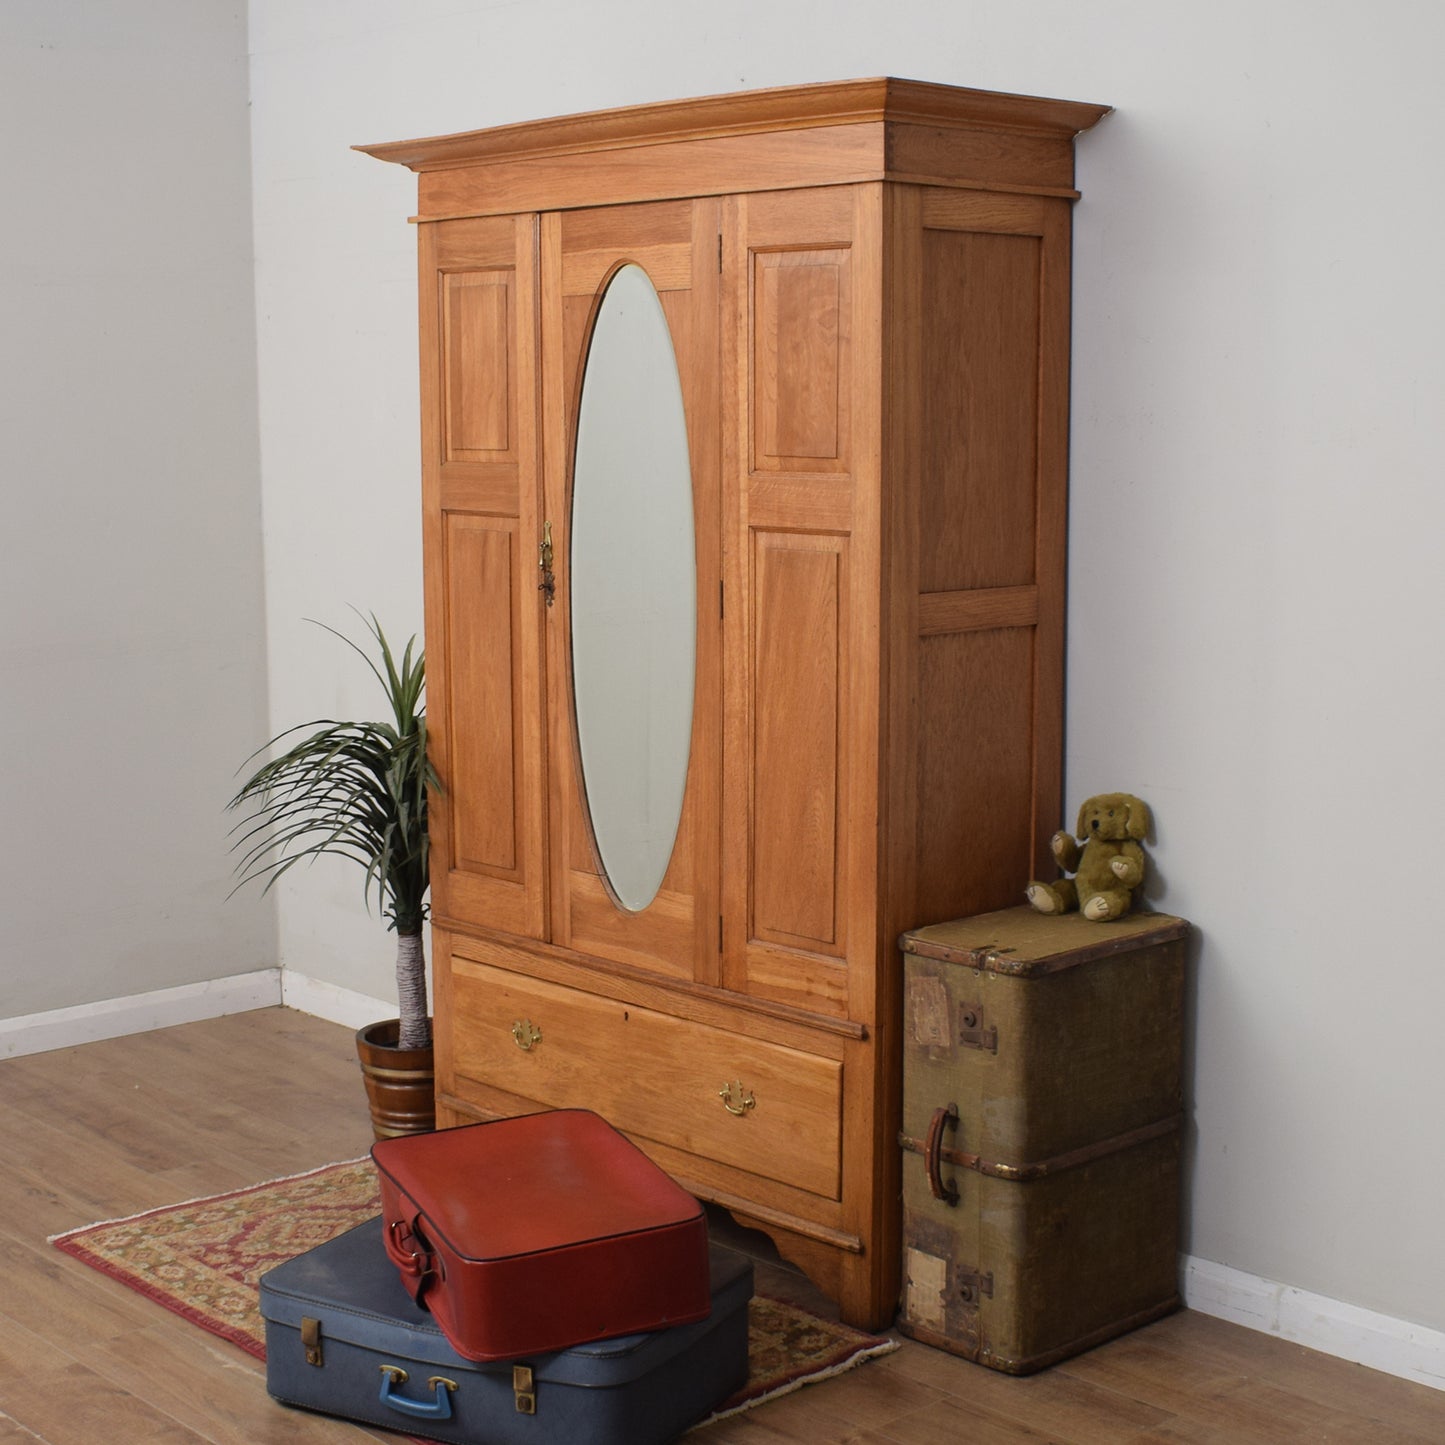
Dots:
pixel 526 1033
pixel 736 1099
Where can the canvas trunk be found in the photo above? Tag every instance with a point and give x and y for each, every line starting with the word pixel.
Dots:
pixel 1041 1130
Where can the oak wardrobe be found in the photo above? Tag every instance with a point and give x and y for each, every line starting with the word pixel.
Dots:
pixel 744 634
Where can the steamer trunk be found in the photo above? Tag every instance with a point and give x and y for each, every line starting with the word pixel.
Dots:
pixel 1041 1129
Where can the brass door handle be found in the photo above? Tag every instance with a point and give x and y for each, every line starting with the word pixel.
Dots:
pixel 525 1033
pixel 548 584
pixel 736 1099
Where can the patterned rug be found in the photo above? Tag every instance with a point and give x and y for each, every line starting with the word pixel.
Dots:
pixel 203 1259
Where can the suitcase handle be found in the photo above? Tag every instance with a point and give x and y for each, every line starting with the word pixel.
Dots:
pixel 408 1261
pixel 439 1408
pixel 944 1117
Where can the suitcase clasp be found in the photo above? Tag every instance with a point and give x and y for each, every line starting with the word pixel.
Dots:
pixel 311 1339
pixel 524 1390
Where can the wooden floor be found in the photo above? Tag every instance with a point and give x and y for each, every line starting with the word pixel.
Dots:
pixel 112 1128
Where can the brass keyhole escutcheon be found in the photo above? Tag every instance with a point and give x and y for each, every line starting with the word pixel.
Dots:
pixel 526 1034
pixel 736 1099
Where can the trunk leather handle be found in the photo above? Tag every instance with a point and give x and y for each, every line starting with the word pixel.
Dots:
pixel 944 1117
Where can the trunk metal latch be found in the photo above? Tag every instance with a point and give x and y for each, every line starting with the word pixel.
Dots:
pixel 973 1033
pixel 972 1284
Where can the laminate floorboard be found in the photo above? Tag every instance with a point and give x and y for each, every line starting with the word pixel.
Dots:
pixel 108 1129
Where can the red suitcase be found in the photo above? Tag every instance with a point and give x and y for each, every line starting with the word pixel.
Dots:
pixel 538 1233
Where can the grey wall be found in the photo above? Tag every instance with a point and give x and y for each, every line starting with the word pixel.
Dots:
pixel 131 614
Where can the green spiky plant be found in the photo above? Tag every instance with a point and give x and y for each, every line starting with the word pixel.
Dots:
pixel 356 790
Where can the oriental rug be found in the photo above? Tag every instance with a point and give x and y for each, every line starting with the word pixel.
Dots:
pixel 203 1260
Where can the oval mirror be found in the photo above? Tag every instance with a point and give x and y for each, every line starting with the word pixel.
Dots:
pixel 633 589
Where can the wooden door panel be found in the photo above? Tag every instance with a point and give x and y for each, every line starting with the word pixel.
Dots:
pixel 476 325
pixel 676 244
pixel 801 467
pixel 484 779
pixel 480 479
pixel 799 806
pixel 801 325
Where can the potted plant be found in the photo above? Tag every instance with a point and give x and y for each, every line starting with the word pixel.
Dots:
pixel 358 790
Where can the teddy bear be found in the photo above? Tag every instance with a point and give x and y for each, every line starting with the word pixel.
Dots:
pixel 1108 868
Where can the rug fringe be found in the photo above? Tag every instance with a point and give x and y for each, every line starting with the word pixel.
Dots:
pixel 199 1199
pixel 884 1347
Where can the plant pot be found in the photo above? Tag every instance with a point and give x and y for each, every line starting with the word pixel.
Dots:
pixel 400 1083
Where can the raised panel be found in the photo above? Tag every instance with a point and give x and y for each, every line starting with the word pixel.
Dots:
pixel 797 669
pixel 477 327
pixel 975 772
pixel 485 784
pixel 800 343
pixel 979 373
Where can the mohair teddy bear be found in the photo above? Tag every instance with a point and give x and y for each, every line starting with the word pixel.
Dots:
pixel 1110 866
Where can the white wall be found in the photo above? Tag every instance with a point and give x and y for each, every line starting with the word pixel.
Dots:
pixel 1256 579
pixel 131 627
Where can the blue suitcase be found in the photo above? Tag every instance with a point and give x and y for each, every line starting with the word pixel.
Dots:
pixel 344 1337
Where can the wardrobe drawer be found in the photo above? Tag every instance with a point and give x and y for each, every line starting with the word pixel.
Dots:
pixel 756 1106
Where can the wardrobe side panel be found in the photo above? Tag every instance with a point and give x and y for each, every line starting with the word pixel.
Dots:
pixel 992 513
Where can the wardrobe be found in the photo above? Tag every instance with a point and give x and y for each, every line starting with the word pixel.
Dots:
pixel 744 454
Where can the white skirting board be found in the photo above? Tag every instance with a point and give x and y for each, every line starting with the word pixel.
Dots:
pixel 1348 1332
pixel 1381 1342
pixel 328 1001
pixel 111 1018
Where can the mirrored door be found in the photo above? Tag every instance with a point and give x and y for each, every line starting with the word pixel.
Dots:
pixel 630 309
